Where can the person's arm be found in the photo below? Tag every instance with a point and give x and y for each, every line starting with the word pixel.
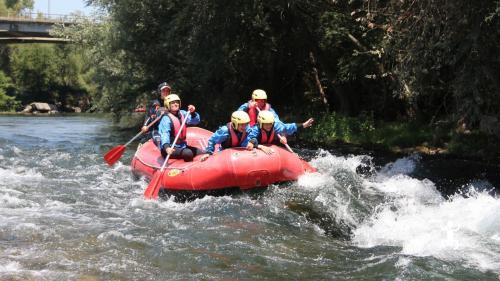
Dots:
pixel 276 117
pixel 244 143
pixel 192 118
pixel 285 129
pixel 306 124
pixel 220 136
pixel 244 107
pixel 211 144
pixel 146 121
pixel 252 137
pixel 164 130
pixel 144 127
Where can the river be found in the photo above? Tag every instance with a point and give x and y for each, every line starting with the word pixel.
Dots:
pixel 66 215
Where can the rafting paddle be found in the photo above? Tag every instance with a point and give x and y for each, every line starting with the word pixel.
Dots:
pixel 285 143
pixel 154 185
pixel 116 152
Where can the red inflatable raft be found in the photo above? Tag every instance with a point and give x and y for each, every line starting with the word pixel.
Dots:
pixel 234 167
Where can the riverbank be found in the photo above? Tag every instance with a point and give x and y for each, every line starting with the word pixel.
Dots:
pixel 130 121
pixel 401 138
pixel 59 114
pixel 358 135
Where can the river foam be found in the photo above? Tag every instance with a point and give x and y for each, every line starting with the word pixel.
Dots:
pixel 415 217
pixel 390 207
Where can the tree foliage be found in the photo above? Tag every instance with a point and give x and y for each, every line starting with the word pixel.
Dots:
pixel 301 52
pixel 48 73
pixel 445 56
pixel 7 102
pixel 424 60
pixel 14 7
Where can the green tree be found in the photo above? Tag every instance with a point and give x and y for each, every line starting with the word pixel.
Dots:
pixel 34 67
pixel 50 73
pixel 14 7
pixel 7 102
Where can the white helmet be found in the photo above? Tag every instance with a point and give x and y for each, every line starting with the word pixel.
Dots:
pixel 265 117
pixel 239 117
pixel 259 95
pixel 170 98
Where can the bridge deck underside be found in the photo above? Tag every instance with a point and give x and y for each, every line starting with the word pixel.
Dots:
pixel 15 31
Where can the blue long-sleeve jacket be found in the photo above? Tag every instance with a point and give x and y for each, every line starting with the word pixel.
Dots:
pixel 279 128
pixel 244 107
pixel 152 114
pixel 221 135
pixel 166 126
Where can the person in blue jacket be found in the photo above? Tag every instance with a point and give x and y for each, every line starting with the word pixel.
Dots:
pixel 270 131
pixel 256 104
pixel 233 134
pixel 170 125
pixel 154 112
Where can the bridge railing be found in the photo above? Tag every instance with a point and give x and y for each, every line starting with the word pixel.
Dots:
pixel 43 17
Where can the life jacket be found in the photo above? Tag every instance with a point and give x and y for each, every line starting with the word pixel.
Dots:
pixel 265 138
pixel 252 112
pixel 233 140
pixel 175 126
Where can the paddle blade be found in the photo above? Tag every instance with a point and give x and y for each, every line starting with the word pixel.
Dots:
pixel 114 154
pixel 154 185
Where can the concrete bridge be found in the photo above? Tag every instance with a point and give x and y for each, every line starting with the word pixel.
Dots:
pixel 29 29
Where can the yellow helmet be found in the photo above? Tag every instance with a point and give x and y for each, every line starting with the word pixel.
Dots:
pixel 170 98
pixel 259 95
pixel 265 117
pixel 239 117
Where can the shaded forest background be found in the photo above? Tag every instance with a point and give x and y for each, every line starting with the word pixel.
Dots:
pixel 432 63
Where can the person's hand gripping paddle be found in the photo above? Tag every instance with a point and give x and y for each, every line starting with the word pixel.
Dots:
pixel 154 185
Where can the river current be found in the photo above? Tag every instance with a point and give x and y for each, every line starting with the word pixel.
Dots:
pixel 66 215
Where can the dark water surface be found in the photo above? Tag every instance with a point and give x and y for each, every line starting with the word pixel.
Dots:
pixel 65 215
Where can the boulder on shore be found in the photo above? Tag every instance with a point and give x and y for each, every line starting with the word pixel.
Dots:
pixel 27 109
pixel 40 107
pixel 69 108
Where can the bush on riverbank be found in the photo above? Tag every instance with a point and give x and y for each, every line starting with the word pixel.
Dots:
pixel 401 136
pixel 475 144
pixel 7 103
pixel 364 130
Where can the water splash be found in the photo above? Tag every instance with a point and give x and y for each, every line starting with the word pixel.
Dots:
pixel 415 217
pixel 390 208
